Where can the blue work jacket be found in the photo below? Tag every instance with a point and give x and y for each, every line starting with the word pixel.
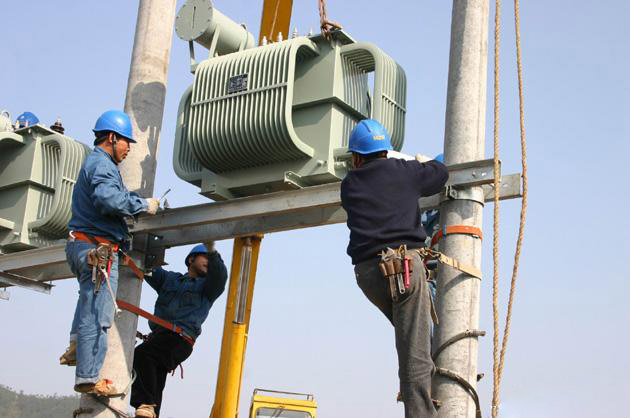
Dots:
pixel 100 200
pixel 186 301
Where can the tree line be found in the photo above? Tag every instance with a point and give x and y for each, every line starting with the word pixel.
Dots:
pixel 20 405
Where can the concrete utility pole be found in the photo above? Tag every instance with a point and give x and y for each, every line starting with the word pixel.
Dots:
pixel 464 139
pixel 146 90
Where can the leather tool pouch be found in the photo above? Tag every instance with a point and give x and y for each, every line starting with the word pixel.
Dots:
pixel 392 268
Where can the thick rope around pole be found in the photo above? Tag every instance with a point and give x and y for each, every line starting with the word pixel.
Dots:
pixel 495 225
pixel 508 320
pixel 521 228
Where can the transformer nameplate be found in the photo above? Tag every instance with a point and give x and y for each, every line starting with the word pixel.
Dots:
pixel 237 83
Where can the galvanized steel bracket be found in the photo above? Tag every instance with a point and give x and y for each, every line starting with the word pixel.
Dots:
pixel 476 194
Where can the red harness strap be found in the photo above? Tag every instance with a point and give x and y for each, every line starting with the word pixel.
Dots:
pixel 457 229
pixel 126 260
pixel 92 239
pixel 165 324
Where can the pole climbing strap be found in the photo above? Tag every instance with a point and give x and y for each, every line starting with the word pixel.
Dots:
pixel 164 324
pixel 127 261
pixel 457 229
pixel 427 253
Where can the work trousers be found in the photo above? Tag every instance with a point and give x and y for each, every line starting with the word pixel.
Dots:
pixel 94 313
pixel 411 318
pixel 152 361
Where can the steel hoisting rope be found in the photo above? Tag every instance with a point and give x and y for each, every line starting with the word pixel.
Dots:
pixel 519 242
pixel 326 25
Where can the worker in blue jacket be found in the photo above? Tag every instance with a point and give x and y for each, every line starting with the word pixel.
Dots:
pixel 98 231
pixel 184 300
pixel 380 196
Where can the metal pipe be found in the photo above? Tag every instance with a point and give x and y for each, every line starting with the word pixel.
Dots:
pixel 243 286
pixel 236 326
pixel 458 293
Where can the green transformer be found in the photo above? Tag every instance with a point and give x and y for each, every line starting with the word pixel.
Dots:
pixel 277 116
pixel 38 170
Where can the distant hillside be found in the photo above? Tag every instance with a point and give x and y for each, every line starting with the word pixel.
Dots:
pixel 20 405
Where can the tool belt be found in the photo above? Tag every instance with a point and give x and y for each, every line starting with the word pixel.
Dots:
pixel 100 258
pixel 395 265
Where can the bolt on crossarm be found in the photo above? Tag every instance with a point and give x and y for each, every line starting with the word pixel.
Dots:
pixel 236 326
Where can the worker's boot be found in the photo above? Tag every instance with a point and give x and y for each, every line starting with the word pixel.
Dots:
pixel 145 411
pixel 103 387
pixel 69 358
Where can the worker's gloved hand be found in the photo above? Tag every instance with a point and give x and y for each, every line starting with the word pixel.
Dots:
pixel 209 246
pixel 440 158
pixel 153 205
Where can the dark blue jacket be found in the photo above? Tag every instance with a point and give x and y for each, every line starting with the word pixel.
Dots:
pixel 100 200
pixel 381 199
pixel 186 301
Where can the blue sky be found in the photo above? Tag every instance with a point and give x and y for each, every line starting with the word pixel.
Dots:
pixel 312 329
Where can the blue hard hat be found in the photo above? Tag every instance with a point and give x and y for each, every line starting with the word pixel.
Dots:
pixel 197 249
pixel 115 121
pixel 369 136
pixel 26 119
pixel 440 158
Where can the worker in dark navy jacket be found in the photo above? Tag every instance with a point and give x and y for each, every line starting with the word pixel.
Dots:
pixel 184 300
pixel 380 196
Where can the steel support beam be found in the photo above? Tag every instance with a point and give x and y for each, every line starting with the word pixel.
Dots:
pixel 21 281
pixel 285 202
pixel 41 264
pixel 282 211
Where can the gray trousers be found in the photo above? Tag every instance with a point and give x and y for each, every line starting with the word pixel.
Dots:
pixel 411 317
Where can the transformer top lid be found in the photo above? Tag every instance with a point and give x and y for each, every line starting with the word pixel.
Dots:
pixel 39 128
pixel 339 35
pixel 44 131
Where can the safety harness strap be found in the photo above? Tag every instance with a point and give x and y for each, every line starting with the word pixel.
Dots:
pixel 427 253
pixel 473 271
pixel 165 324
pixel 126 260
pixel 457 229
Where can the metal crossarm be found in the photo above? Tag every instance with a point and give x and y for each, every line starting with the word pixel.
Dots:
pixel 21 281
pixel 260 214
